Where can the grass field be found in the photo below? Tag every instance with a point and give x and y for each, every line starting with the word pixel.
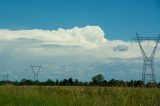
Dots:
pixel 78 96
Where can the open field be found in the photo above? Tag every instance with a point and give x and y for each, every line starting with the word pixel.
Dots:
pixel 78 96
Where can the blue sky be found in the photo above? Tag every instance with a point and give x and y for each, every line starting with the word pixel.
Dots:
pixel 119 19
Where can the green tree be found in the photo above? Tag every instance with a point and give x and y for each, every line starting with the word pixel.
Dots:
pixel 49 82
pixel 98 79
pixel 70 81
pixel 76 82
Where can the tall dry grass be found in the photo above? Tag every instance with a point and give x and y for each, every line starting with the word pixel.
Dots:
pixel 78 96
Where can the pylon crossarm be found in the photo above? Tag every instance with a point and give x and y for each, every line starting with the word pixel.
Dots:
pixel 148 38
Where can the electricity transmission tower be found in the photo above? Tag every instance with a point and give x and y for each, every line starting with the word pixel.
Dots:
pixel 5 78
pixel 36 70
pixel 148 74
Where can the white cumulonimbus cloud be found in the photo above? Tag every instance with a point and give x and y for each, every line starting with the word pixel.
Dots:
pixel 88 36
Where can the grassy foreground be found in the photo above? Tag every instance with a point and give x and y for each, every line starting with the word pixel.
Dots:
pixel 78 96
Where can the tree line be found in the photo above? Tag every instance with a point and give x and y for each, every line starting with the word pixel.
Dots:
pixel 97 80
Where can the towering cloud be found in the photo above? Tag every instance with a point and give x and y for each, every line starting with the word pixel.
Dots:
pixel 88 36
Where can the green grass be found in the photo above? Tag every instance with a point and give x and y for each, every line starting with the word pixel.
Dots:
pixel 78 96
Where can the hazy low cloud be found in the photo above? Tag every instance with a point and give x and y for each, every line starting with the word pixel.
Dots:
pixel 77 52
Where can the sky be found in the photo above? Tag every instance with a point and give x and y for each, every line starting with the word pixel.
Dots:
pixel 77 38
pixel 120 19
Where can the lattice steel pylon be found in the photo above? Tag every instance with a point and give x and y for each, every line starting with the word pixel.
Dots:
pixel 148 74
pixel 36 72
